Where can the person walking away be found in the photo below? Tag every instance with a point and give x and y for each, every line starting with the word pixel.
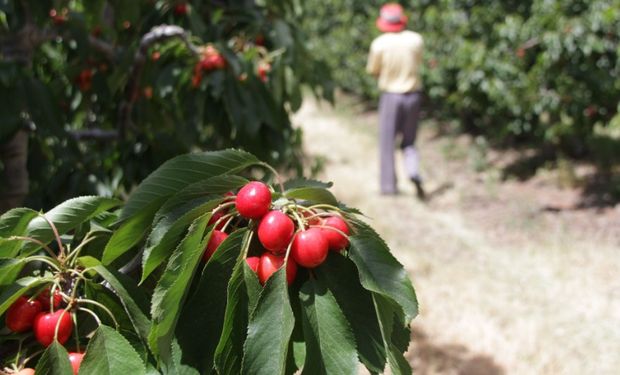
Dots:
pixel 395 59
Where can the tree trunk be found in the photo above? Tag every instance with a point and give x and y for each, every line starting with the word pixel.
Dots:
pixel 14 157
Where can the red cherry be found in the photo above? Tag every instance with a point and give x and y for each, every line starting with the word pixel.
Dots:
pixel 180 9
pixel 275 231
pixel 263 70
pixel 44 298
pixel 217 237
pixel 45 325
pixel 21 314
pixel 218 61
pixel 309 248
pixel 259 40
pixel 76 361
pixel 215 217
pixel 253 262
pixel 25 371
pixel 310 218
pixel 335 240
pixel 270 263
pixel 253 200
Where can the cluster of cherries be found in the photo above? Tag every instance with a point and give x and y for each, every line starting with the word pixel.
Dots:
pixel 210 60
pixel 316 233
pixel 45 316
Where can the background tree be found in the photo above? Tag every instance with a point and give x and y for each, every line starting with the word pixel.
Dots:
pixel 541 73
pixel 114 88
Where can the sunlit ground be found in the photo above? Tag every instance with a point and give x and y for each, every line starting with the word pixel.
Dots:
pixel 506 285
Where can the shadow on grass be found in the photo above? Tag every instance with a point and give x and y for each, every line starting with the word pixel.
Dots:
pixel 599 190
pixel 428 358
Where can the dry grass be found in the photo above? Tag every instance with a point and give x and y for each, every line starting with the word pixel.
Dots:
pixel 504 287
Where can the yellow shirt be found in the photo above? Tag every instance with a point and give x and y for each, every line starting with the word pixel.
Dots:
pixel 395 58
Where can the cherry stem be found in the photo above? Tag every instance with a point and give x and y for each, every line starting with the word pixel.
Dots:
pixel 75 332
pixel 27 359
pixel 101 306
pixel 276 175
pixel 298 218
pixel 92 313
pixel 225 226
pixel 56 235
pixel 44 246
pixel 246 244
pixel 75 252
pixel 66 311
pixel 290 245
pixel 330 228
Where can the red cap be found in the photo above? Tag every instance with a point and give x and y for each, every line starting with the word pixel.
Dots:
pixel 391 18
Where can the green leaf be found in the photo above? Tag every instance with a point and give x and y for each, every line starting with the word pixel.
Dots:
pixel 301 182
pixel 270 329
pixel 379 271
pixel 10 269
pixel 132 298
pixel 172 288
pixel 386 312
pixel 169 230
pixel 204 310
pixel 14 223
pixel 176 367
pixel 54 361
pixel 130 233
pixel 340 276
pixel 252 286
pixel 18 288
pixel 229 351
pixel 67 216
pixel 109 353
pixel 215 187
pixel 312 194
pixel 330 346
pixel 177 173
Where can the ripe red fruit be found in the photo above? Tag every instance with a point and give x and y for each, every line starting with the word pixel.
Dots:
pixel 21 314
pixel 25 371
pixel 45 325
pixel 76 361
pixel 253 200
pixel 275 231
pixel 215 217
pixel 310 218
pixel 180 9
pixel 44 298
pixel 217 237
pixel 309 248
pixel 85 80
pixel 335 240
pixel 270 263
pixel 253 262
pixel 263 70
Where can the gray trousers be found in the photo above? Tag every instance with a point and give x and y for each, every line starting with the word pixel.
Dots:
pixel 398 115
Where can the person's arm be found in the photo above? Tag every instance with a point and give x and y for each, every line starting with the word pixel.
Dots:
pixel 374 61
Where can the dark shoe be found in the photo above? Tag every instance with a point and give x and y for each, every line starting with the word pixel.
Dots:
pixel 419 189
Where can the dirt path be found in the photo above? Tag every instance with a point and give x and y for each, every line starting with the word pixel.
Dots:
pixel 505 287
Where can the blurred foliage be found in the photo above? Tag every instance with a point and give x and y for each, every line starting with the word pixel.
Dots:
pixel 107 112
pixel 542 72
